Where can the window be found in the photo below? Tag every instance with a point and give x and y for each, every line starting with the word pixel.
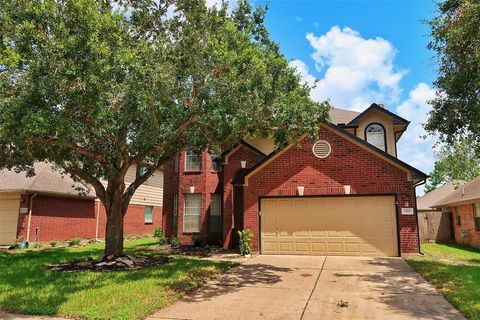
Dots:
pixel 193 161
pixel 148 214
pixel 175 214
pixel 476 216
pixel 143 170
pixel 176 163
pixel 216 213
pixel 175 205
pixel 375 135
pixel 459 216
pixel 192 213
pixel 215 156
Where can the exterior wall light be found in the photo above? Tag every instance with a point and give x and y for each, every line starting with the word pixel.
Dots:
pixel 301 190
pixel 243 163
pixel 347 189
pixel 192 189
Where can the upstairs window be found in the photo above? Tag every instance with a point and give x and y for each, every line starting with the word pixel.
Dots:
pixel 176 162
pixel 375 135
pixel 193 160
pixel 216 158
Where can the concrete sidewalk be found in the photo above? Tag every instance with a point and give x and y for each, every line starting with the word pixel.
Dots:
pixel 305 287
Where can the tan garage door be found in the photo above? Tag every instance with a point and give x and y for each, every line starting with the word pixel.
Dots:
pixel 9 205
pixel 357 226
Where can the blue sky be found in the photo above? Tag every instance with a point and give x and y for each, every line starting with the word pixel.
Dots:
pixel 363 52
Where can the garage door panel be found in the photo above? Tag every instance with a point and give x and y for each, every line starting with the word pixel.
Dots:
pixel 9 206
pixel 333 226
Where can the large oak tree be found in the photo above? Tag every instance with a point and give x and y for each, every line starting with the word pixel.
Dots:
pixel 455 35
pixel 96 87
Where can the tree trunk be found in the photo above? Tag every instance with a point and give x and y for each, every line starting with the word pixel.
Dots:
pixel 114 232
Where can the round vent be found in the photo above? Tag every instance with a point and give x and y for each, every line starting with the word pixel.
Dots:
pixel 321 149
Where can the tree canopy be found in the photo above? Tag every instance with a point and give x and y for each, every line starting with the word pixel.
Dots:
pixel 455 35
pixel 456 162
pixel 96 87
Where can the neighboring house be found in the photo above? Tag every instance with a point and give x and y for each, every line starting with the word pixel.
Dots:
pixel 344 193
pixel 436 225
pixel 464 205
pixel 48 207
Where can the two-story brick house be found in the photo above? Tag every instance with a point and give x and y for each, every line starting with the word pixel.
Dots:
pixel 344 193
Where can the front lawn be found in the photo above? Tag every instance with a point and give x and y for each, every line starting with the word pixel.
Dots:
pixel 455 271
pixel 25 286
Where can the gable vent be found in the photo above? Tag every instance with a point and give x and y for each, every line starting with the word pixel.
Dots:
pixel 321 149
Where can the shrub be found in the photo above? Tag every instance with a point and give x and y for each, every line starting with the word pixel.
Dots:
pixel 53 244
pixel 198 241
pixel 174 241
pixel 158 233
pixel 37 245
pixel 246 241
pixel 74 242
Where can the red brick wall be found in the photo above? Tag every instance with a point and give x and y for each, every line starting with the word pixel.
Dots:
pixel 60 218
pixel 467 224
pixel 205 182
pixel 134 221
pixel 348 164
pixel 230 171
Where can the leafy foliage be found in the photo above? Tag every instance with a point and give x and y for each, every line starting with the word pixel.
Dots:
pixel 73 242
pixel 98 87
pixel 246 242
pixel 456 41
pixel 457 162
pixel 158 233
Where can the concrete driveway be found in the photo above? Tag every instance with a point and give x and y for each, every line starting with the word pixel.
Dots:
pixel 304 287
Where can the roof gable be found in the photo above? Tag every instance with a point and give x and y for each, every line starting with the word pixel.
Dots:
pixel 415 175
pixel 375 107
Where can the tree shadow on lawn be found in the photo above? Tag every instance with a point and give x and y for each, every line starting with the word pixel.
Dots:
pixel 26 287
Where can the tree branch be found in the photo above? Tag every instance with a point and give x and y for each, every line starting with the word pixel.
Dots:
pixel 72 146
pixel 97 185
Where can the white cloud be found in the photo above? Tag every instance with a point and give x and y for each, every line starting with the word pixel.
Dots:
pixel 298 19
pixel 356 71
pixel 412 147
pixel 302 70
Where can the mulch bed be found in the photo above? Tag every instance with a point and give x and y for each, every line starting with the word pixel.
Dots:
pixel 111 263
pixel 203 252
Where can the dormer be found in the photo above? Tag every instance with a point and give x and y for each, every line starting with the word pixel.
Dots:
pixel 379 127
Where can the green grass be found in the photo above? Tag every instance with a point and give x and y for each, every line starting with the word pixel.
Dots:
pixel 455 271
pixel 25 286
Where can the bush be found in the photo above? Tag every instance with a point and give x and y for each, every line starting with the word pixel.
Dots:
pixel 198 241
pixel 174 241
pixel 246 241
pixel 158 233
pixel 74 242
pixel 53 244
pixel 37 245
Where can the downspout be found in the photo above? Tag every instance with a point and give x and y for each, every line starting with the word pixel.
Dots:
pixel 30 216
pixel 97 218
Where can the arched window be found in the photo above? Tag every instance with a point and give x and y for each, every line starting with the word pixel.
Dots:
pixel 375 135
